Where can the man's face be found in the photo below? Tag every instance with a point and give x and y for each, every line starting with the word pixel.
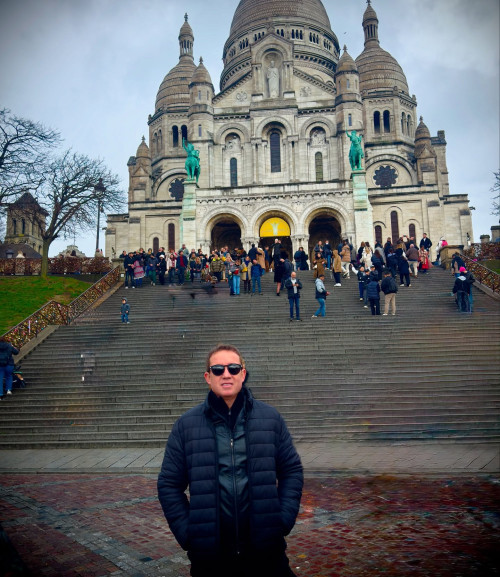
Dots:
pixel 293 275
pixel 226 386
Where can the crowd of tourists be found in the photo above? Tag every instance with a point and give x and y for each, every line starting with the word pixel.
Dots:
pixel 381 269
pixel 240 269
pixel 377 269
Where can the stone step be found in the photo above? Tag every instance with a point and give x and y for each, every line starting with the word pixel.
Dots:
pixel 429 373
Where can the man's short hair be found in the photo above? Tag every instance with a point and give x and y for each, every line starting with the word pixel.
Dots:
pixel 223 347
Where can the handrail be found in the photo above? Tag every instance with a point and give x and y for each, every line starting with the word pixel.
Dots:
pixel 483 275
pixel 54 313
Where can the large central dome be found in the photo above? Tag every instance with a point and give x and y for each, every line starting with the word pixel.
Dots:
pixel 304 23
pixel 250 13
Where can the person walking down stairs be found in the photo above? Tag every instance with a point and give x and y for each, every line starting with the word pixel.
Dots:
pixel 6 365
pixel 294 286
pixel 125 311
pixel 321 294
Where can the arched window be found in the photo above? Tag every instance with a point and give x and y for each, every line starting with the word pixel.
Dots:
pixel 23 226
pixel 171 236
pixel 175 136
pixel 347 83
pixel 394 226
pixel 318 162
pixel 275 141
pixel 411 231
pixel 156 245
pixel 184 131
pixel 14 226
pixel 408 125
pixel 378 234
pixel 160 142
pixel 403 123
pixel 387 121
pixel 233 169
pixel 349 119
pixel 376 122
pixel 155 139
pixel 199 129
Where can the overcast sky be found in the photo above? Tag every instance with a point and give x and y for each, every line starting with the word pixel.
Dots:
pixel 91 69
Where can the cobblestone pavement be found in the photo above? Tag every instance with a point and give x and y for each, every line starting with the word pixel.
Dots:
pixel 75 525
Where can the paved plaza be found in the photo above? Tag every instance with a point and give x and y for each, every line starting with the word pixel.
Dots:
pixel 424 510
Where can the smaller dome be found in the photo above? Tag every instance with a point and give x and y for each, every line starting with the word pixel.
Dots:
pixel 143 150
pixel 346 63
pixel 422 132
pixel 186 29
pixel 378 70
pixel 370 13
pixel 173 93
pixel 201 75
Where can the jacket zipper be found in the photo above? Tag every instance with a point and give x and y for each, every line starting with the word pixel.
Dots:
pixel 236 522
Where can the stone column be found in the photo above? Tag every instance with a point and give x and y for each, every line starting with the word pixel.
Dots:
pixel 363 213
pixel 188 215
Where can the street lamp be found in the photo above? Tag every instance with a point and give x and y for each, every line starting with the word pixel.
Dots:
pixel 99 190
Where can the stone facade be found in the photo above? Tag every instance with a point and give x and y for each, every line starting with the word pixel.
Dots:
pixel 25 223
pixel 274 143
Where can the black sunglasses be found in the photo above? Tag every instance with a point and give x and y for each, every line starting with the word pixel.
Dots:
pixel 233 368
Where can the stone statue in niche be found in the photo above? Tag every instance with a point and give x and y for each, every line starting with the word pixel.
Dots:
pixel 273 80
pixel 318 138
pixel 233 143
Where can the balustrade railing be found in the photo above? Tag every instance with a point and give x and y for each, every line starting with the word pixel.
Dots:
pixel 54 313
pixel 483 251
pixel 483 275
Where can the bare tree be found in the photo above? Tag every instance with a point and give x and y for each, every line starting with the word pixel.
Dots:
pixel 496 199
pixel 24 147
pixel 75 187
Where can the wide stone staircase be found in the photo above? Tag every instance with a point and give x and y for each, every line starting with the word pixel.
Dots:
pixel 429 373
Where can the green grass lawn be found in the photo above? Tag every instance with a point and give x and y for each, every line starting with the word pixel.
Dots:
pixel 493 265
pixel 22 296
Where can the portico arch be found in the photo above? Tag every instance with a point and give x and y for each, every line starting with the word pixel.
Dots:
pixel 324 224
pixel 275 224
pixel 225 230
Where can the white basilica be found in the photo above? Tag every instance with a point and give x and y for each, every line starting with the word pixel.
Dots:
pixel 274 144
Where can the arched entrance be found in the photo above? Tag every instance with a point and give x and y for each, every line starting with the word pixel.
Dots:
pixel 226 232
pixel 324 227
pixel 276 227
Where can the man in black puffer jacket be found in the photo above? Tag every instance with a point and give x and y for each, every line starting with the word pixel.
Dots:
pixel 244 476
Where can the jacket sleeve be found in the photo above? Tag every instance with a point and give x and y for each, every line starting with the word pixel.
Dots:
pixel 290 479
pixel 172 484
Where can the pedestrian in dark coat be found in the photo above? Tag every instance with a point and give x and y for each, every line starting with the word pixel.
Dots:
pixel 244 495
pixel 404 271
pixel 279 271
pixel 6 366
pixel 461 289
pixel 294 286
pixel 373 292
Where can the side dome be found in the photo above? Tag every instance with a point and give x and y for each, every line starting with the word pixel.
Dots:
pixel 173 93
pixel 201 75
pixel 377 68
pixel 142 150
pixel 346 63
pixel 250 13
pixel 422 132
